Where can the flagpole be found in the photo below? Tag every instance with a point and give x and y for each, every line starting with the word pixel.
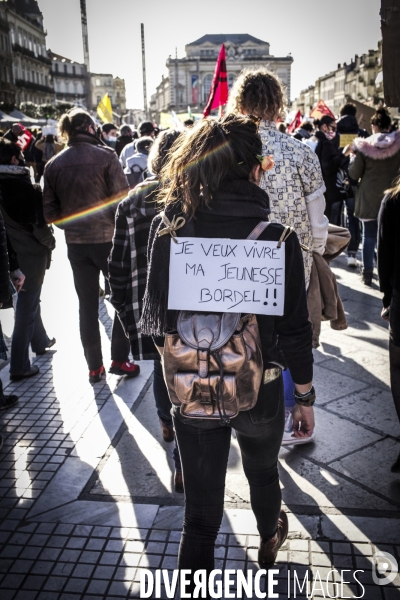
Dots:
pixel 85 39
pixel 144 71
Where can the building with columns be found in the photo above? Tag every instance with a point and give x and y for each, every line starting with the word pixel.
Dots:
pixel 69 80
pixel 26 47
pixel 188 80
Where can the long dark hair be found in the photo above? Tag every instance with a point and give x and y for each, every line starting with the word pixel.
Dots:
pixel 205 155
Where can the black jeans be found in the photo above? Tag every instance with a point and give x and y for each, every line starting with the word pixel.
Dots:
pixel 163 405
pixel 394 350
pixel 87 261
pixel 204 450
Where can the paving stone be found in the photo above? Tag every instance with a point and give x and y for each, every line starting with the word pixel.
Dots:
pixel 97 586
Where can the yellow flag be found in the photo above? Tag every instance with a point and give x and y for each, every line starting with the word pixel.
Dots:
pixel 104 109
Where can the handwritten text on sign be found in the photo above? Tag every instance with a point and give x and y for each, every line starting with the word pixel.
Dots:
pixel 223 275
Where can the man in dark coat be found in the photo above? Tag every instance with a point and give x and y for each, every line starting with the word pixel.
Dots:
pixel 82 186
pixel 125 137
pixel 32 241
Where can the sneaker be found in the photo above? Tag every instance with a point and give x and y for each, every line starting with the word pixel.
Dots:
pixel 96 375
pixel 8 402
pixel 124 368
pixel 288 435
pixel 32 371
pixel 49 345
pixel 351 261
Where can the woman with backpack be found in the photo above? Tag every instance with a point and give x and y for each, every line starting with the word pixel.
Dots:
pixel 210 191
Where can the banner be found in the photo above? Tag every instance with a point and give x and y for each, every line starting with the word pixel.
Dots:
pixel 222 275
pixel 219 87
pixel 104 109
pixel 195 89
pixel 320 110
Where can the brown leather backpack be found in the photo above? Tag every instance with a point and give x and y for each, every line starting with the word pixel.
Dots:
pixel 213 364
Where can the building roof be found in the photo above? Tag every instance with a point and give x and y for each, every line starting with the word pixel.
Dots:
pixel 54 55
pixel 29 7
pixel 222 38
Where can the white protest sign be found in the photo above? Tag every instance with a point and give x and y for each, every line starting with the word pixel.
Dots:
pixel 223 275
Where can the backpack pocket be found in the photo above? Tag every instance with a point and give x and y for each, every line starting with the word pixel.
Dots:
pixel 199 396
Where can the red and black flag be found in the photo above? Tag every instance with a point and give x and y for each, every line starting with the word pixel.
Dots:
pixel 219 86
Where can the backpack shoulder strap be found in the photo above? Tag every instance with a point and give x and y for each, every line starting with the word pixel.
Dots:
pixel 257 231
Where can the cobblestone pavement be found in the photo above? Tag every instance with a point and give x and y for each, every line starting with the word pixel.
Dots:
pixel 86 481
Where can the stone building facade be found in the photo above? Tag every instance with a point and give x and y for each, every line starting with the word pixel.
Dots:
pixel 189 79
pixel 31 79
pixel 7 86
pixel 355 80
pixel 69 80
pixel 104 83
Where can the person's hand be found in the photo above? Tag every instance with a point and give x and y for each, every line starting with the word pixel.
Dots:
pixel 303 421
pixel 18 278
pixel 385 313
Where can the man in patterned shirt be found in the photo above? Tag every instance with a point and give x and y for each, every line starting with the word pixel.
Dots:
pixel 294 185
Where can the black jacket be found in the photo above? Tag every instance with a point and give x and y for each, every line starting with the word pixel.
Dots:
pixel 330 158
pixel 32 242
pixel 122 141
pixel 290 336
pixel 389 248
pixel 4 265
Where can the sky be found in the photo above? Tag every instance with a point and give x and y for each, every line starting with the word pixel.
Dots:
pixel 318 33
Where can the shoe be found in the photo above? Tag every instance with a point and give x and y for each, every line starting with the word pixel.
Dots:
pixel 351 260
pixel 288 437
pixel 124 368
pixel 168 433
pixel 8 402
pixel 32 371
pixel 268 550
pixel 366 276
pixel 178 482
pixel 395 468
pixel 49 345
pixel 96 375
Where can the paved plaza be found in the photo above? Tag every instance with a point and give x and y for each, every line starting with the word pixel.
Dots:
pixel 86 481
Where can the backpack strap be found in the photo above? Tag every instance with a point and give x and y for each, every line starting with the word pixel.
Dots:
pixel 257 231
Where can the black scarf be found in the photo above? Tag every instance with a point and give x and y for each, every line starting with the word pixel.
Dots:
pixel 235 198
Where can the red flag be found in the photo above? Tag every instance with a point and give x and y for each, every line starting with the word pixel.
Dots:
pixel 320 110
pixel 295 123
pixel 25 139
pixel 219 86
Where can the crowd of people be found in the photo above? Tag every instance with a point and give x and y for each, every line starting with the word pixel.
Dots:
pixel 239 177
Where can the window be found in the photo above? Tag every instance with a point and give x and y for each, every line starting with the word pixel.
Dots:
pixel 56 67
pixel 206 87
pixel 207 53
pixel 98 82
pixel 12 35
pixel 46 79
pixel 75 88
pixel 73 69
pixel 65 69
pixel 98 99
pixel 231 80
pixel 30 44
